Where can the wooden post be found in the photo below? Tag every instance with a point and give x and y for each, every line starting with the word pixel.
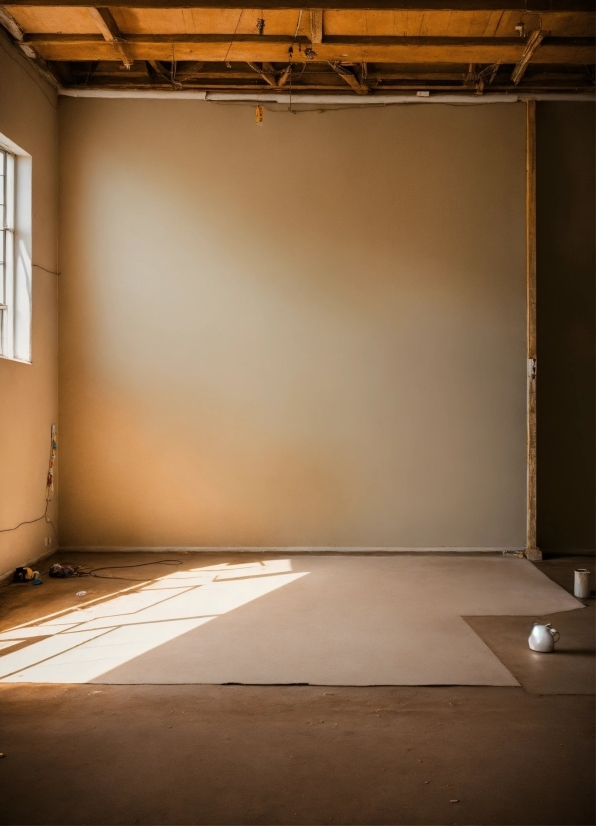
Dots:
pixel 532 552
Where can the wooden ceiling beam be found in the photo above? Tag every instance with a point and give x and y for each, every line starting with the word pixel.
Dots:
pixel 415 50
pixel 268 75
pixel 159 74
pixel 350 78
pixel 285 76
pixel 189 69
pixel 28 51
pixel 372 5
pixel 533 42
pixel 316 26
pixel 104 20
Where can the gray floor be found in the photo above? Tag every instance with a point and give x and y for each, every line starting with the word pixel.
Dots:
pixel 92 754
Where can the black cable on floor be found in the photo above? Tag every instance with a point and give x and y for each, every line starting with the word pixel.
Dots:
pixel 93 571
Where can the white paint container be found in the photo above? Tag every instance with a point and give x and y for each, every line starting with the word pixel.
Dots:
pixel 581 584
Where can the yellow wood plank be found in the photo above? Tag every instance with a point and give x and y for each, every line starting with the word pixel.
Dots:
pixel 436 23
pixel 492 24
pixel 150 21
pixel 52 19
pixel 189 25
pixel 414 24
pixel 478 20
pixel 373 23
pixel 342 52
pixel 569 24
pixel 400 23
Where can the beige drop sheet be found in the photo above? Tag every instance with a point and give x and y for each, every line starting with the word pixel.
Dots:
pixel 316 619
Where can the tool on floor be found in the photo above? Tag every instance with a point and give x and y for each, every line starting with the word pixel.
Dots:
pixel 581 583
pixel 543 638
pixel 26 574
pixel 23 574
pixel 58 571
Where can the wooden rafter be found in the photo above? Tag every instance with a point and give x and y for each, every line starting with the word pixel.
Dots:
pixel 160 73
pixel 104 20
pixel 470 79
pixel 534 41
pixel 316 26
pixel 275 49
pixel 18 35
pixel 350 78
pixel 189 69
pixel 526 6
pixel 347 49
pixel 265 71
pixel 285 76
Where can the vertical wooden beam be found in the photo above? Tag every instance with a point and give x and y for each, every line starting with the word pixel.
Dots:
pixel 532 552
pixel 316 26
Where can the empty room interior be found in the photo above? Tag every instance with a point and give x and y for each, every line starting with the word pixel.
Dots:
pixel 297 411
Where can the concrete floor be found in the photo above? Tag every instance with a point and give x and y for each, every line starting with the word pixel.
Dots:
pixel 295 754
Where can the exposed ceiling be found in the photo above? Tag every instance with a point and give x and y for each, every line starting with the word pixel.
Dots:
pixel 475 46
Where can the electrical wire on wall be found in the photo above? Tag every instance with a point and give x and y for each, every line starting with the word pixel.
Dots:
pixel 49 489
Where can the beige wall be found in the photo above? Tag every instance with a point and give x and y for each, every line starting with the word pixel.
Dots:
pixel 305 333
pixel 28 392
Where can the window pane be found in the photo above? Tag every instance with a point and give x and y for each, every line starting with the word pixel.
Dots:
pixel 2 183
pixel 15 261
pixel 22 299
pixel 9 190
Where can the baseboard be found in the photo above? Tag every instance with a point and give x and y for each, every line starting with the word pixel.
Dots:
pixel 277 549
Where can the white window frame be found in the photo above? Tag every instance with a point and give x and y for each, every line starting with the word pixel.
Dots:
pixel 7 207
pixel 15 253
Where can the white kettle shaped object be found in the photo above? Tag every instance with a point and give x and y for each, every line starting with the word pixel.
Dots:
pixel 543 638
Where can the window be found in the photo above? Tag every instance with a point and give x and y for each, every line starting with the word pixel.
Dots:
pixel 15 259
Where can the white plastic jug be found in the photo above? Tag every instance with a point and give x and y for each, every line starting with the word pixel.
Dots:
pixel 543 638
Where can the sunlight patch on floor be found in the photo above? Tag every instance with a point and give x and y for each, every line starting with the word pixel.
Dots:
pixel 87 641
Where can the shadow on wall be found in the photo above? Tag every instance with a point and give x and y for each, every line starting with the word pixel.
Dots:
pixel 566 221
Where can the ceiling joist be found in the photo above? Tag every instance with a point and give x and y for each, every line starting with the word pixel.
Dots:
pixel 266 71
pixel 522 6
pixel 274 49
pixel 104 19
pixel 350 78
pixel 473 46
pixel 534 41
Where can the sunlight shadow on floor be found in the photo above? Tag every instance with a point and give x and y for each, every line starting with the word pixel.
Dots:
pixel 87 641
